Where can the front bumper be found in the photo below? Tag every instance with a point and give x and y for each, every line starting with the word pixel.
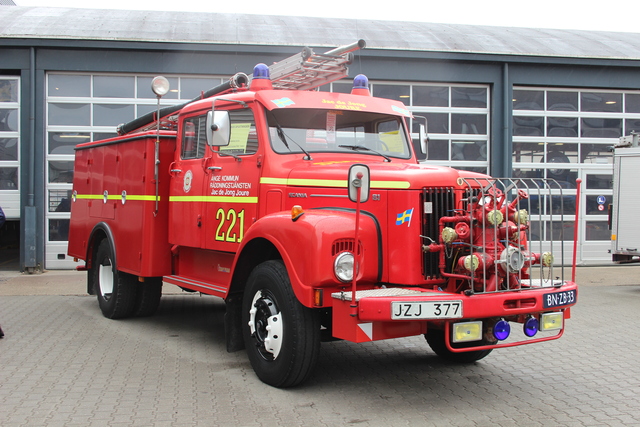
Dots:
pixel 372 317
pixel 374 307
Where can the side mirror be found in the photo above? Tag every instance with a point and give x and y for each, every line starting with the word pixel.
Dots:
pixel 359 177
pixel 424 136
pixel 218 128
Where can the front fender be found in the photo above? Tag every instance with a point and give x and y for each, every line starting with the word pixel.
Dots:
pixel 310 244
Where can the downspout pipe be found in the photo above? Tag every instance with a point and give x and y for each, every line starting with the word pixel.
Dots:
pixel 32 127
pixel 30 211
pixel 506 122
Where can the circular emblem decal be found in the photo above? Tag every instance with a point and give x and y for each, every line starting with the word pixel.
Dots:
pixel 188 177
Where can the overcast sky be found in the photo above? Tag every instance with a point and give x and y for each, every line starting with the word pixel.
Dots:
pixel 607 15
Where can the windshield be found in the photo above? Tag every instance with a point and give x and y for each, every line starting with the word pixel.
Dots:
pixel 298 130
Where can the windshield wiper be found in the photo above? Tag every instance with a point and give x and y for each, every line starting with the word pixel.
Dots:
pixel 363 148
pixel 283 138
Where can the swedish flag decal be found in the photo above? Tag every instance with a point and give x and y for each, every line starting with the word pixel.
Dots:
pixel 403 217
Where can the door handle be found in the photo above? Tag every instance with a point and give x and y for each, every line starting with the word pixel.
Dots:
pixel 172 170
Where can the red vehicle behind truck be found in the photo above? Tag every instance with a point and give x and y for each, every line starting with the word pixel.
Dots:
pixel 310 215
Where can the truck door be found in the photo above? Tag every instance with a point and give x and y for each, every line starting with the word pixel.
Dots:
pixel 232 184
pixel 188 181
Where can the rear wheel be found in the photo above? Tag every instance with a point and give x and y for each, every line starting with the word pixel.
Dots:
pixel 436 340
pixel 282 337
pixel 116 290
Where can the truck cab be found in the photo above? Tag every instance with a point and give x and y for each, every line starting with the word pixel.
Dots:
pixel 285 148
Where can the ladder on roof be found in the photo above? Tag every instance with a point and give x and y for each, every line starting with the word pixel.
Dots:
pixel 308 70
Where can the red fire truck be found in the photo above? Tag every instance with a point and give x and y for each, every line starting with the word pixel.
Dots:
pixel 310 215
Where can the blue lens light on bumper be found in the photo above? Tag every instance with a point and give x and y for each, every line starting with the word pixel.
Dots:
pixel 531 326
pixel 501 330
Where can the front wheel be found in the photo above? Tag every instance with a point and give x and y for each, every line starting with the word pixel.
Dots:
pixel 436 340
pixel 282 337
pixel 116 290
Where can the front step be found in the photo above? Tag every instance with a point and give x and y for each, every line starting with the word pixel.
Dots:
pixel 382 292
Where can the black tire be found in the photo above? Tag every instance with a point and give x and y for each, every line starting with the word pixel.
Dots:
pixel 557 174
pixel 282 357
pixel 116 290
pixel 148 297
pixel 435 339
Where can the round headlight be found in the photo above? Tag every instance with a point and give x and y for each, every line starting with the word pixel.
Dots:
pixel 343 267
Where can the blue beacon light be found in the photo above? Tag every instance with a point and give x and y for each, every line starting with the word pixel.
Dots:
pixel 261 71
pixel 361 82
pixel 361 85
pixel 531 326
pixel 261 78
pixel 501 330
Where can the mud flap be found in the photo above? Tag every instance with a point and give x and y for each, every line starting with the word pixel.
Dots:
pixel 233 323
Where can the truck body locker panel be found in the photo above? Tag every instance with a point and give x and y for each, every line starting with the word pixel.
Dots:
pixel 125 201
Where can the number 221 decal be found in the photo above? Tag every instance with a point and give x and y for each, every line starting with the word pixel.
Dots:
pixel 227 231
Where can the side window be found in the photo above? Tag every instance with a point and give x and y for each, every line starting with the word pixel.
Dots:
pixel 194 137
pixel 244 138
